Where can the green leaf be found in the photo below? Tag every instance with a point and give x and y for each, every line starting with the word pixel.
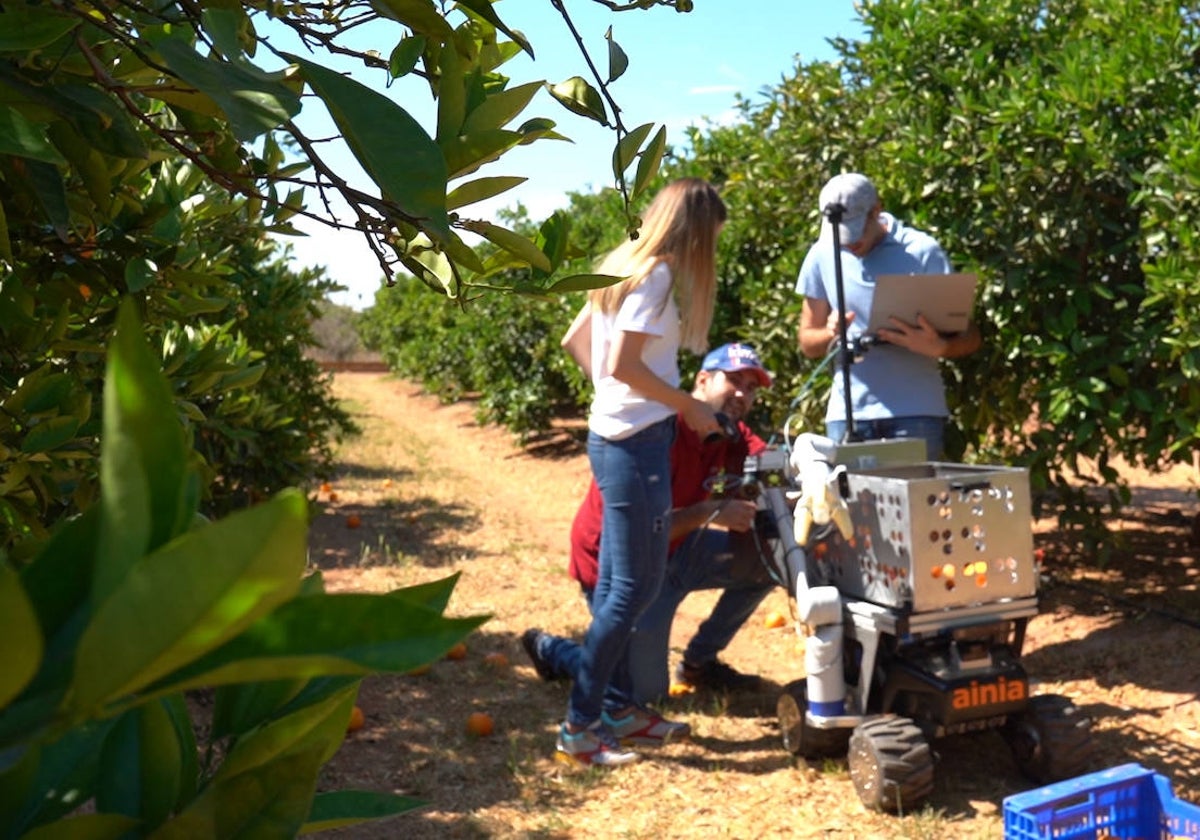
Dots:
pixel 485 10
pixel 462 255
pixel 28 30
pixel 63 770
pixel 254 102
pixel 554 237
pixel 344 633
pixel 21 642
pixel 537 128
pixel 578 97
pixel 514 243
pixel 320 726
pixel 85 827
pixel 189 764
pixel 648 164
pixel 140 765
pixel 143 458
pixel 100 119
pixel 58 580
pixel 481 189
pixel 501 108
pixel 467 152
pixel 50 434
pixel 223 22
pixel 451 96
pixel 418 15
pixel 20 137
pixel 140 273
pixel 89 164
pixel 197 592
pixel 374 128
pixel 51 194
pixel 582 282
pixel 435 594
pixel 241 707
pixel 271 800
pixel 41 390
pixel 405 55
pixel 628 147
pixel 433 269
pixel 618 62
pixel 350 807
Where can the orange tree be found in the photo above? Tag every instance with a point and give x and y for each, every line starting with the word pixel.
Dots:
pixel 230 320
pixel 146 153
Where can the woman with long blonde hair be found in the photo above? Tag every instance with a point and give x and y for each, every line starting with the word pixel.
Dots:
pixel 628 337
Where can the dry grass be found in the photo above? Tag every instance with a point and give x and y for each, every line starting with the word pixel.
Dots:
pixel 438 495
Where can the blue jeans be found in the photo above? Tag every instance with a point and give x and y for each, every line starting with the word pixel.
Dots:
pixel 634 476
pixel 932 430
pixel 705 560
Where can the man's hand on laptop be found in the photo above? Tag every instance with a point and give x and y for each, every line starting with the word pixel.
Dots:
pixel 919 338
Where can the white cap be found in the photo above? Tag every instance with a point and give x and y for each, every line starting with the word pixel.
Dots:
pixel 857 197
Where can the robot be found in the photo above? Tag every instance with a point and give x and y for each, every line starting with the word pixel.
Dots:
pixel 913 585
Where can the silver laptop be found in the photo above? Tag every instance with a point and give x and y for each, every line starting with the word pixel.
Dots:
pixel 946 300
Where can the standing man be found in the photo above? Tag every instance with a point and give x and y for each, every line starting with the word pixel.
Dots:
pixel 712 546
pixel 896 390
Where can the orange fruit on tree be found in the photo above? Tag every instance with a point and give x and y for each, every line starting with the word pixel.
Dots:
pixel 775 619
pixel 459 651
pixel 357 719
pixel 496 660
pixel 326 487
pixel 480 724
pixel 353 520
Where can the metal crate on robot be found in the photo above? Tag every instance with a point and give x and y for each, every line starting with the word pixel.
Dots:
pixel 933 535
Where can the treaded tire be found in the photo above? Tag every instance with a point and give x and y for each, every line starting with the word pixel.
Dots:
pixel 891 764
pixel 798 737
pixel 1051 739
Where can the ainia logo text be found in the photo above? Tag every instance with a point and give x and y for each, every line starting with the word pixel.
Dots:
pixel 1001 691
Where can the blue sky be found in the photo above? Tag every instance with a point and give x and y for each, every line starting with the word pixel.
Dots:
pixel 684 69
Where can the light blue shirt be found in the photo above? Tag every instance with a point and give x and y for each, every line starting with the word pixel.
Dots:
pixel 889 381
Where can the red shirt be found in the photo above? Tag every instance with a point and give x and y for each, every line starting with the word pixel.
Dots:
pixel 696 471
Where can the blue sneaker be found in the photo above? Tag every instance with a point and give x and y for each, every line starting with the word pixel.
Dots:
pixel 646 728
pixel 594 745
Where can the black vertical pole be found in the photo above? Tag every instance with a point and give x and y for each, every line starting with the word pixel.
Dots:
pixel 834 212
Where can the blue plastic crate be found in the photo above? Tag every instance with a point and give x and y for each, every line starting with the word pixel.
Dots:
pixel 1127 802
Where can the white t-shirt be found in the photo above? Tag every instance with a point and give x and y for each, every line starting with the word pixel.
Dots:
pixel 617 410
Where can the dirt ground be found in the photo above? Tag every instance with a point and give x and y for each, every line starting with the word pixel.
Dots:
pixel 436 495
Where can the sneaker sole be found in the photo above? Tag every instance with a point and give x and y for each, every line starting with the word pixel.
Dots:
pixel 572 760
pixel 651 741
